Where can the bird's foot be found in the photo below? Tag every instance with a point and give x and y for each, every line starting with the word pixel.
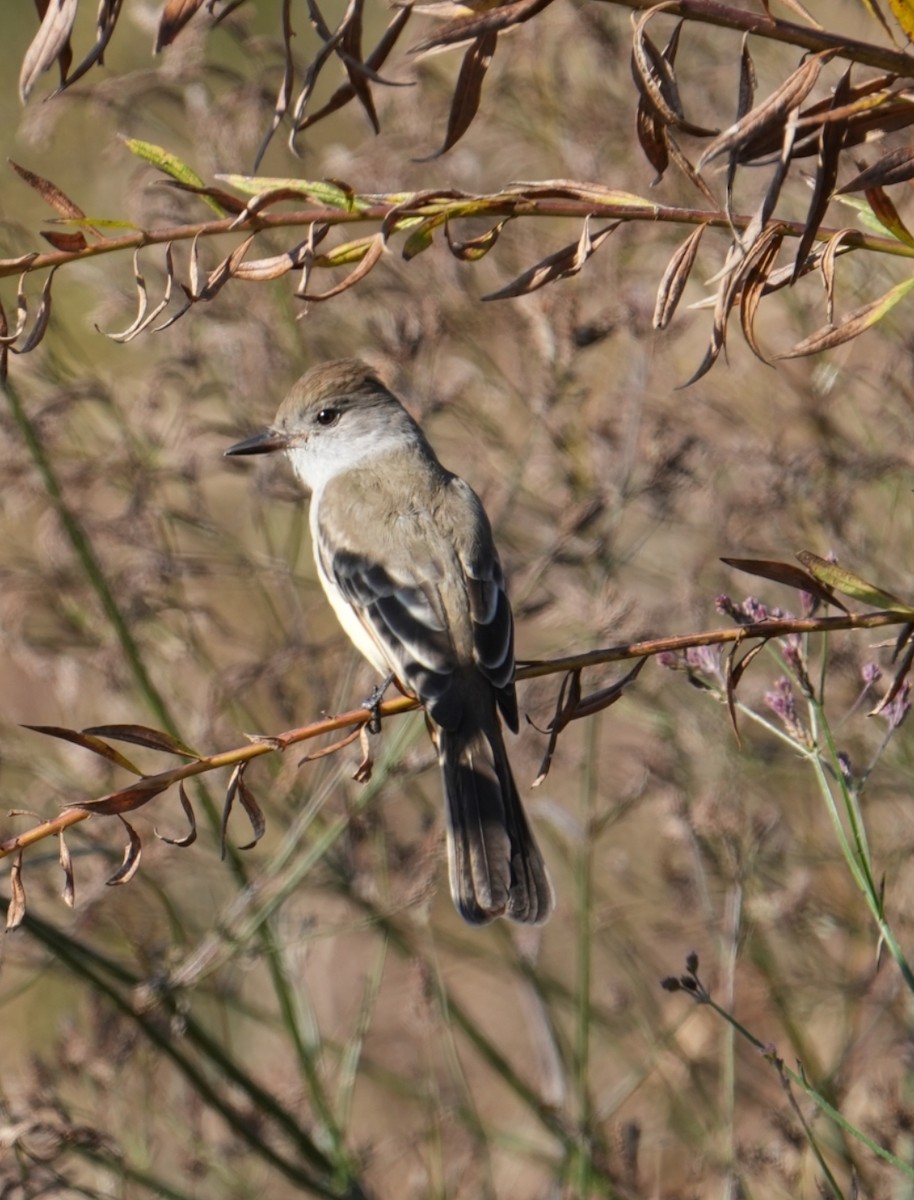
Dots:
pixel 373 704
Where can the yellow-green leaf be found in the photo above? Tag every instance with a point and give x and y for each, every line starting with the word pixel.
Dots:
pixel 171 165
pixel 849 584
pixel 322 190
pixel 903 12
pixel 348 252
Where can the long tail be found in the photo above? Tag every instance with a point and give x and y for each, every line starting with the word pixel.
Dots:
pixel 496 869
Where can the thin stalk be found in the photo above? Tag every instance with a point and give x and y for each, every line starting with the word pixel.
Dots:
pixel 801 1082
pixel 584 1180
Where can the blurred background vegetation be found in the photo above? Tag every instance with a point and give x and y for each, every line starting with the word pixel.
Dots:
pixel 310 1016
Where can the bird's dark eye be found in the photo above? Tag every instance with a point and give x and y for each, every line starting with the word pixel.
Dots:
pixel 328 416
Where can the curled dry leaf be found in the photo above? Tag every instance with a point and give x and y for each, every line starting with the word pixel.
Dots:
pixel 70 243
pixel 51 44
pixel 831 142
pixel 756 227
pixel 675 277
pixel 734 672
pixel 754 283
pixel 901 674
pixel 263 269
pixel 565 262
pixel 324 751
pixel 597 701
pixel 489 19
pixel 350 54
pixel 467 91
pixel 895 167
pixel 66 865
pixel 835 245
pixel 132 852
pixel 254 813
pixel 191 836
pixel 476 248
pixel 42 318
pixel 652 138
pixel 366 766
pixel 374 61
pixel 655 77
pixel 175 16
pixel 22 316
pixel 370 250
pixel 143 321
pixel 653 132
pixel 15 912
pixel 105 23
pixel 569 695
pixel 772 112
pixel 237 787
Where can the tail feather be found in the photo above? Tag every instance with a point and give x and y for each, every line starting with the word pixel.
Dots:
pixel 496 869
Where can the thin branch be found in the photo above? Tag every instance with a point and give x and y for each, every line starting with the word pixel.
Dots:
pixel 496 205
pixel 709 12
pixel 156 784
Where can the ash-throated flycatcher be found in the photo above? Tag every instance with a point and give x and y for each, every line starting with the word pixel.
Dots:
pixel 404 551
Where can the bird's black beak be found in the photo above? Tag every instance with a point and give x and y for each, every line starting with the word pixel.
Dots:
pixel 261 443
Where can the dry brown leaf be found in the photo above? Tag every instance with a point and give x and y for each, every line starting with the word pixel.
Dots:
pixel 475 248
pixel 51 44
pixel 368 261
pixel 852 325
pixel 191 836
pixel 66 865
pixel 125 799
pixel 105 22
pixel 351 56
pixel 254 813
pixel 15 912
pixel 49 192
pixel 469 27
pixel 70 243
pixel 467 91
pixel 652 138
pixel 144 735
pixel 754 283
pixel 132 852
pixel 375 60
pixel 895 167
pixel 831 141
pixel 86 739
pixel 564 262
pixel 833 248
pixel 773 111
pixel 787 573
pixel 143 321
pixel 175 16
pixel 887 215
pixel 675 277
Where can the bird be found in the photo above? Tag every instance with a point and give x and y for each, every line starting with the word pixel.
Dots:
pixel 405 554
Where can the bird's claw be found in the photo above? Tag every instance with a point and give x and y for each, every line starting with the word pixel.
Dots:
pixel 373 704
